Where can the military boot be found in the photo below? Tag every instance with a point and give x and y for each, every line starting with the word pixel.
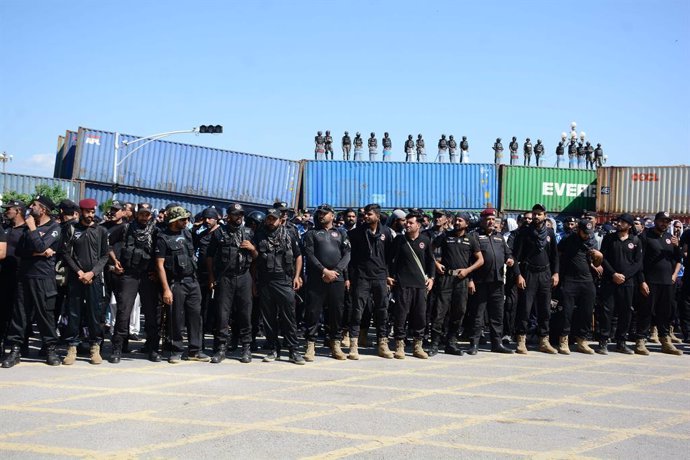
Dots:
pixel 346 340
pixel 220 354
pixel 95 354
pixel 399 349
pixel 621 347
pixel 310 353
pixel 116 354
pixel 521 345
pixel 583 346
pixel 474 347
pixel 295 357
pixel 433 350
pixel 71 355
pixel 52 358
pixel 383 350
pixel 354 353
pixel 246 353
pixel 563 347
pixel 13 358
pixel 654 335
pixel 418 351
pixel 545 346
pixel 641 348
pixel 498 347
pixel 453 349
pixel 603 348
pixel 336 351
pixel 668 347
pixel 363 342
pixel 672 335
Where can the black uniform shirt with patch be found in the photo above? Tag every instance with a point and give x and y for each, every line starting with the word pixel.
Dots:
pixel 371 252
pixel 11 262
pixel 89 249
pixel 621 256
pixel 328 249
pixel 38 241
pixel 404 267
pixel 660 257
pixel 574 254
pixel 495 252
pixel 457 251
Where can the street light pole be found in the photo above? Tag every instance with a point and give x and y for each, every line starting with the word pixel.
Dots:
pixel 5 158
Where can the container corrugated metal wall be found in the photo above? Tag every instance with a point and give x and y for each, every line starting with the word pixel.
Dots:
pixel 59 154
pixel 27 184
pixel 345 184
pixel 67 163
pixel 644 189
pixel 559 190
pixel 188 169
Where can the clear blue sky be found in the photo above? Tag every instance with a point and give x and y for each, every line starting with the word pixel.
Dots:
pixel 274 72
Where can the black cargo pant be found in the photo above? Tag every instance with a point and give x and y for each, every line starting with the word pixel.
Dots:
pixel 34 299
pixel 320 295
pixel 451 302
pixel 85 302
pixel 510 305
pixel 487 298
pixel 616 300
pixel 185 311
pixel 410 303
pixel 233 302
pixel 657 304
pixel 684 305
pixel 537 292
pixel 129 285
pixel 362 290
pixel 577 299
pixel 8 290
pixel 277 305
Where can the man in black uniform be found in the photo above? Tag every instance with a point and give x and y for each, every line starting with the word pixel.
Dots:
pixel 412 268
pixel 373 147
pixel 176 270
pixel 452 149
pixel 464 150
pixel 599 156
pixel 202 238
pixel 409 148
pixel 589 155
pixel 577 253
pixel 488 281
pixel 85 253
pixel 136 260
pixel 359 144
pixel 572 154
pixel 527 151
pixel 328 142
pixel 460 256
pixel 69 215
pixel 328 254
pixel 371 253
pixel 14 214
pixel 36 288
pixel 684 300
pixel 320 145
pixel 442 149
pixel 560 151
pixel 278 275
pixel 538 152
pixel 660 267
pixel 513 147
pixel 347 146
pixel 421 150
pixel 227 261
pixel 622 253
pixel 536 267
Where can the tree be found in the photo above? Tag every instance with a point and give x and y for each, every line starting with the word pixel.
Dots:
pixel 54 192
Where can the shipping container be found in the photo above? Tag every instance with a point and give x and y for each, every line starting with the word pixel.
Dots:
pixel 644 189
pixel 27 185
pixel 344 184
pixel 559 190
pixel 59 153
pixel 186 169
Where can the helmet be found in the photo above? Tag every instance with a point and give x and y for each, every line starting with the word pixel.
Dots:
pixel 443 136
pixel 385 134
pixel 450 137
pixel 358 133
pixel 598 145
pixel 327 133
pixel 464 138
pixel 419 136
pixel 346 133
pixel 538 141
pixel 256 217
pixel 319 133
pixel 409 136
pixel 498 139
pixel 514 138
pixel 372 134
pixel 528 139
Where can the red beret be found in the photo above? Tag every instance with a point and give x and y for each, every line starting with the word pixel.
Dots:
pixel 88 203
pixel 488 212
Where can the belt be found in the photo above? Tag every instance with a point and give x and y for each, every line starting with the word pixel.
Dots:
pixel 536 268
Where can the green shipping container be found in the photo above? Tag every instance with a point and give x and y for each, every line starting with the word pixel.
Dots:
pixel 559 190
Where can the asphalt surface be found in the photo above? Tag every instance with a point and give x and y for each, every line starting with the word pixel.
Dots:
pixel 484 406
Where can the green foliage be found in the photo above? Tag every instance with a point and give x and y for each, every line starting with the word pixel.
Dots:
pixel 105 206
pixel 10 196
pixel 55 192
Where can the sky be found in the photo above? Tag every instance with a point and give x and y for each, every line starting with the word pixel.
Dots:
pixel 274 72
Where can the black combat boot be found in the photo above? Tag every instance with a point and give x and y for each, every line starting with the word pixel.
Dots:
pixel 219 356
pixel 498 347
pixel 116 354
pixel 13 358
pixel 52 358
pixel 474 347
pixel 246 353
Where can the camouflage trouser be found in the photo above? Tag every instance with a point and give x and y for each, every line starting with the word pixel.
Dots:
pixel 346 152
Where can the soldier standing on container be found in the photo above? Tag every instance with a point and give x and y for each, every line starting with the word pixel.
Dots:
pixel 498 151
pixel 177 274
pixel 442 149
pixel 36 288
pixel 536 267
pixel 412 268
pixel 371 254
pixel 387 147
pixel 328 255
pixel 538 152
pixel 527 152
pixel 578 292
pixel 409 148
pixel 346 145
pixel 513 147
pixel 572 154
pixel 560 151
pixel 320 147
pixel 589 155
pixel 86 253
pixel 464 150
pixel 373 146
pixel 359 145
pixel 580 155
pixel 328 144
pixel 488 280
pixel 227 261
pixel 278 277
pixel 460 256
pixel 660 267
pixel 452 149
pixel 421 150
pixel 622 253
pixel 599 156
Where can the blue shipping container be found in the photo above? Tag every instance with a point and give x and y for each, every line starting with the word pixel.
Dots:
pixel 27 184
pixel 344 184
pixel 187 169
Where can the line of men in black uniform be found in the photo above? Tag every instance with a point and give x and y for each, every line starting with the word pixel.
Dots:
pixel 409 280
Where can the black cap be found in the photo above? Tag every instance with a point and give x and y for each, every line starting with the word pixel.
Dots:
pixel 280 206
pixel 464 216
pixel 210 213
pixel 588 214
pixel 662 215
pixel 539 208
pixel 45 201
pixel 570 220
pixel 586 226
pixel 627 218
pixel 324 208
pixel 144 207
pixel 273 213
pixel 116 205
pixel 235 208
pixel 14 204
pixel 68 207
pixel 438 212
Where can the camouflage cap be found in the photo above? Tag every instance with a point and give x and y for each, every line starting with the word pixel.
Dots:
pixel 176 213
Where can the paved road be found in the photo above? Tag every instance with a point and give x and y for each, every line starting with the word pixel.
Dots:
pixel 486 406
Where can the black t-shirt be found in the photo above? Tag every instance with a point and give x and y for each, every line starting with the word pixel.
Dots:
pixel 457 251
pixel 526 249
pixel 574 254
pixel 326 249
pixel 621 256
pixel 496 253
pixel 89 249
pixel 685 239
pixel 660 257
pixel 371 252
pixel 11 262
pixel 116 234
pixel 44 237
pixel 404 267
